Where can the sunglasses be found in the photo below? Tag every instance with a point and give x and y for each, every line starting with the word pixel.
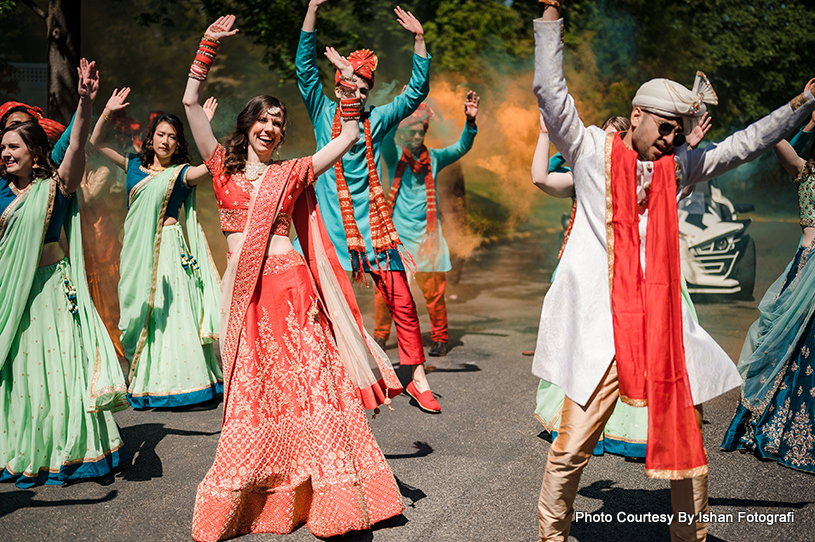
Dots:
pixel 666 128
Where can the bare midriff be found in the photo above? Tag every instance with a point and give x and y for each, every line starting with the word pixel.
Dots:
pixel 278 244
pixel 808 236
pixel 169 221
pixel 51 254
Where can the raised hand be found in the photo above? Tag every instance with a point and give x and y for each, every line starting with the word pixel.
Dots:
pixel 222 28
pixel 117 100
pixel 88 79
pixel 471 105
pixel 698 134
pixel 409 22
pixel 339 62
pixel 210 106
pixel 810 87
pixel 544 129
pixel 316 3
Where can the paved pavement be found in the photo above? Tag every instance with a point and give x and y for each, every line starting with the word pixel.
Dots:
pixel 471 473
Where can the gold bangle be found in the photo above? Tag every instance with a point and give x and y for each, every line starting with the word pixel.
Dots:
pixel 104 116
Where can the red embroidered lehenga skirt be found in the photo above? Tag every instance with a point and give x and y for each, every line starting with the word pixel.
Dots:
pixel 296 446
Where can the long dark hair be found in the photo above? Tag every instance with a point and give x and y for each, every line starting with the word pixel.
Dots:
pixel 237 146
pixel 36 141
pixel 181 154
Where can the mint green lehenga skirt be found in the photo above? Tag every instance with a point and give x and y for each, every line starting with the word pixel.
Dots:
pixel 175 369
pixel 46 434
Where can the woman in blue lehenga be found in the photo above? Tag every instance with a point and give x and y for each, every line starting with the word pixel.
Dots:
pixel 775 417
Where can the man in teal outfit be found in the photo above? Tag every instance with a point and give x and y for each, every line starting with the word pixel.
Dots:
pixel 350 196
pixel 413 168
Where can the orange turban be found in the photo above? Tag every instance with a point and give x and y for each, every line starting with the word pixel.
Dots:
pixel 364 63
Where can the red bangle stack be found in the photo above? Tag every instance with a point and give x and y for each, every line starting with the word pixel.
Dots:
pixel 347 87
pixel 204 58
pixel 350 108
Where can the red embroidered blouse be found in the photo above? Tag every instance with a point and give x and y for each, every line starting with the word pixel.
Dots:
pixel 234 192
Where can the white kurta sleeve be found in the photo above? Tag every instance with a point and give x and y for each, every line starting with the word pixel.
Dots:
pixel 566 130
pixel 699 165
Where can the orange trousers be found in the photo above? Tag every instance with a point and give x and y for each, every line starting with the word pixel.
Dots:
pixel 433 286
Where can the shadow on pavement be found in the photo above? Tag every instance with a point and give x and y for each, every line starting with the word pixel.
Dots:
pixel 628 501
pixel 423 449
pixel 414 494
pixel 753 503
pixel 25 499
pixel 141 441
pixel 368 536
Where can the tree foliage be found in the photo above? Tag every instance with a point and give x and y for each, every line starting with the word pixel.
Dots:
pixel 754 53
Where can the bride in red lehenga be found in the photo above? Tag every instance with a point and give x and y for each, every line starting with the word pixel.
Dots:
pixel 299 369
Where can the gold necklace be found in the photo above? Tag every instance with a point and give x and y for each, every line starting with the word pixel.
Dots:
pixel 254 170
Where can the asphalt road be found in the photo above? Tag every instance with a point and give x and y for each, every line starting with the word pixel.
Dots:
pixel 471 473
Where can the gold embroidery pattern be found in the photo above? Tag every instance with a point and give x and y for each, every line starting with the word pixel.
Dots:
pixel 233 219
pixel 282 224
pixel 282 262
pixel 296 446
pixel 800 438
pixel 798 101
pixel 609 213
pixel 775 429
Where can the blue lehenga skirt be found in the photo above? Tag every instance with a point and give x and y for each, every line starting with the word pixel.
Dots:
pixel 776 419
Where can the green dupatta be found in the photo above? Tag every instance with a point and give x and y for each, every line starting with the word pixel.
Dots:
pixel 22 227
pixel 139 263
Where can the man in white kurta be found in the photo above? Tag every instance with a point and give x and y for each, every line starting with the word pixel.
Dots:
pixel 575 347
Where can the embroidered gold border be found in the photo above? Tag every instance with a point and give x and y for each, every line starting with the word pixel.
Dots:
pixel 639 403
pixel 139 185
pixel 10 209
pixel 156 248
pixel 52 194
pixel 676 474
pixel 29 474
pixel 179 392
pixel 798 101
pixel 65 193
pixel 609 213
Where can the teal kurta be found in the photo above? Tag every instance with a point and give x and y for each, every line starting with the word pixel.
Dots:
pixel 383 119
pixel 410 208
pixel 802 142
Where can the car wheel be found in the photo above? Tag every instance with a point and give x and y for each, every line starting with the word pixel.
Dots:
pixel 744 269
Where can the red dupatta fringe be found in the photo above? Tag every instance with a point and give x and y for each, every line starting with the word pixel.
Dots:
pixel 647 316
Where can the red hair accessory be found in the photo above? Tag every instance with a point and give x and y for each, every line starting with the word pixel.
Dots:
pixel 364 63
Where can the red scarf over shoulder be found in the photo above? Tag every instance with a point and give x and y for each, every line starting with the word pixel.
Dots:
pixel 647 313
